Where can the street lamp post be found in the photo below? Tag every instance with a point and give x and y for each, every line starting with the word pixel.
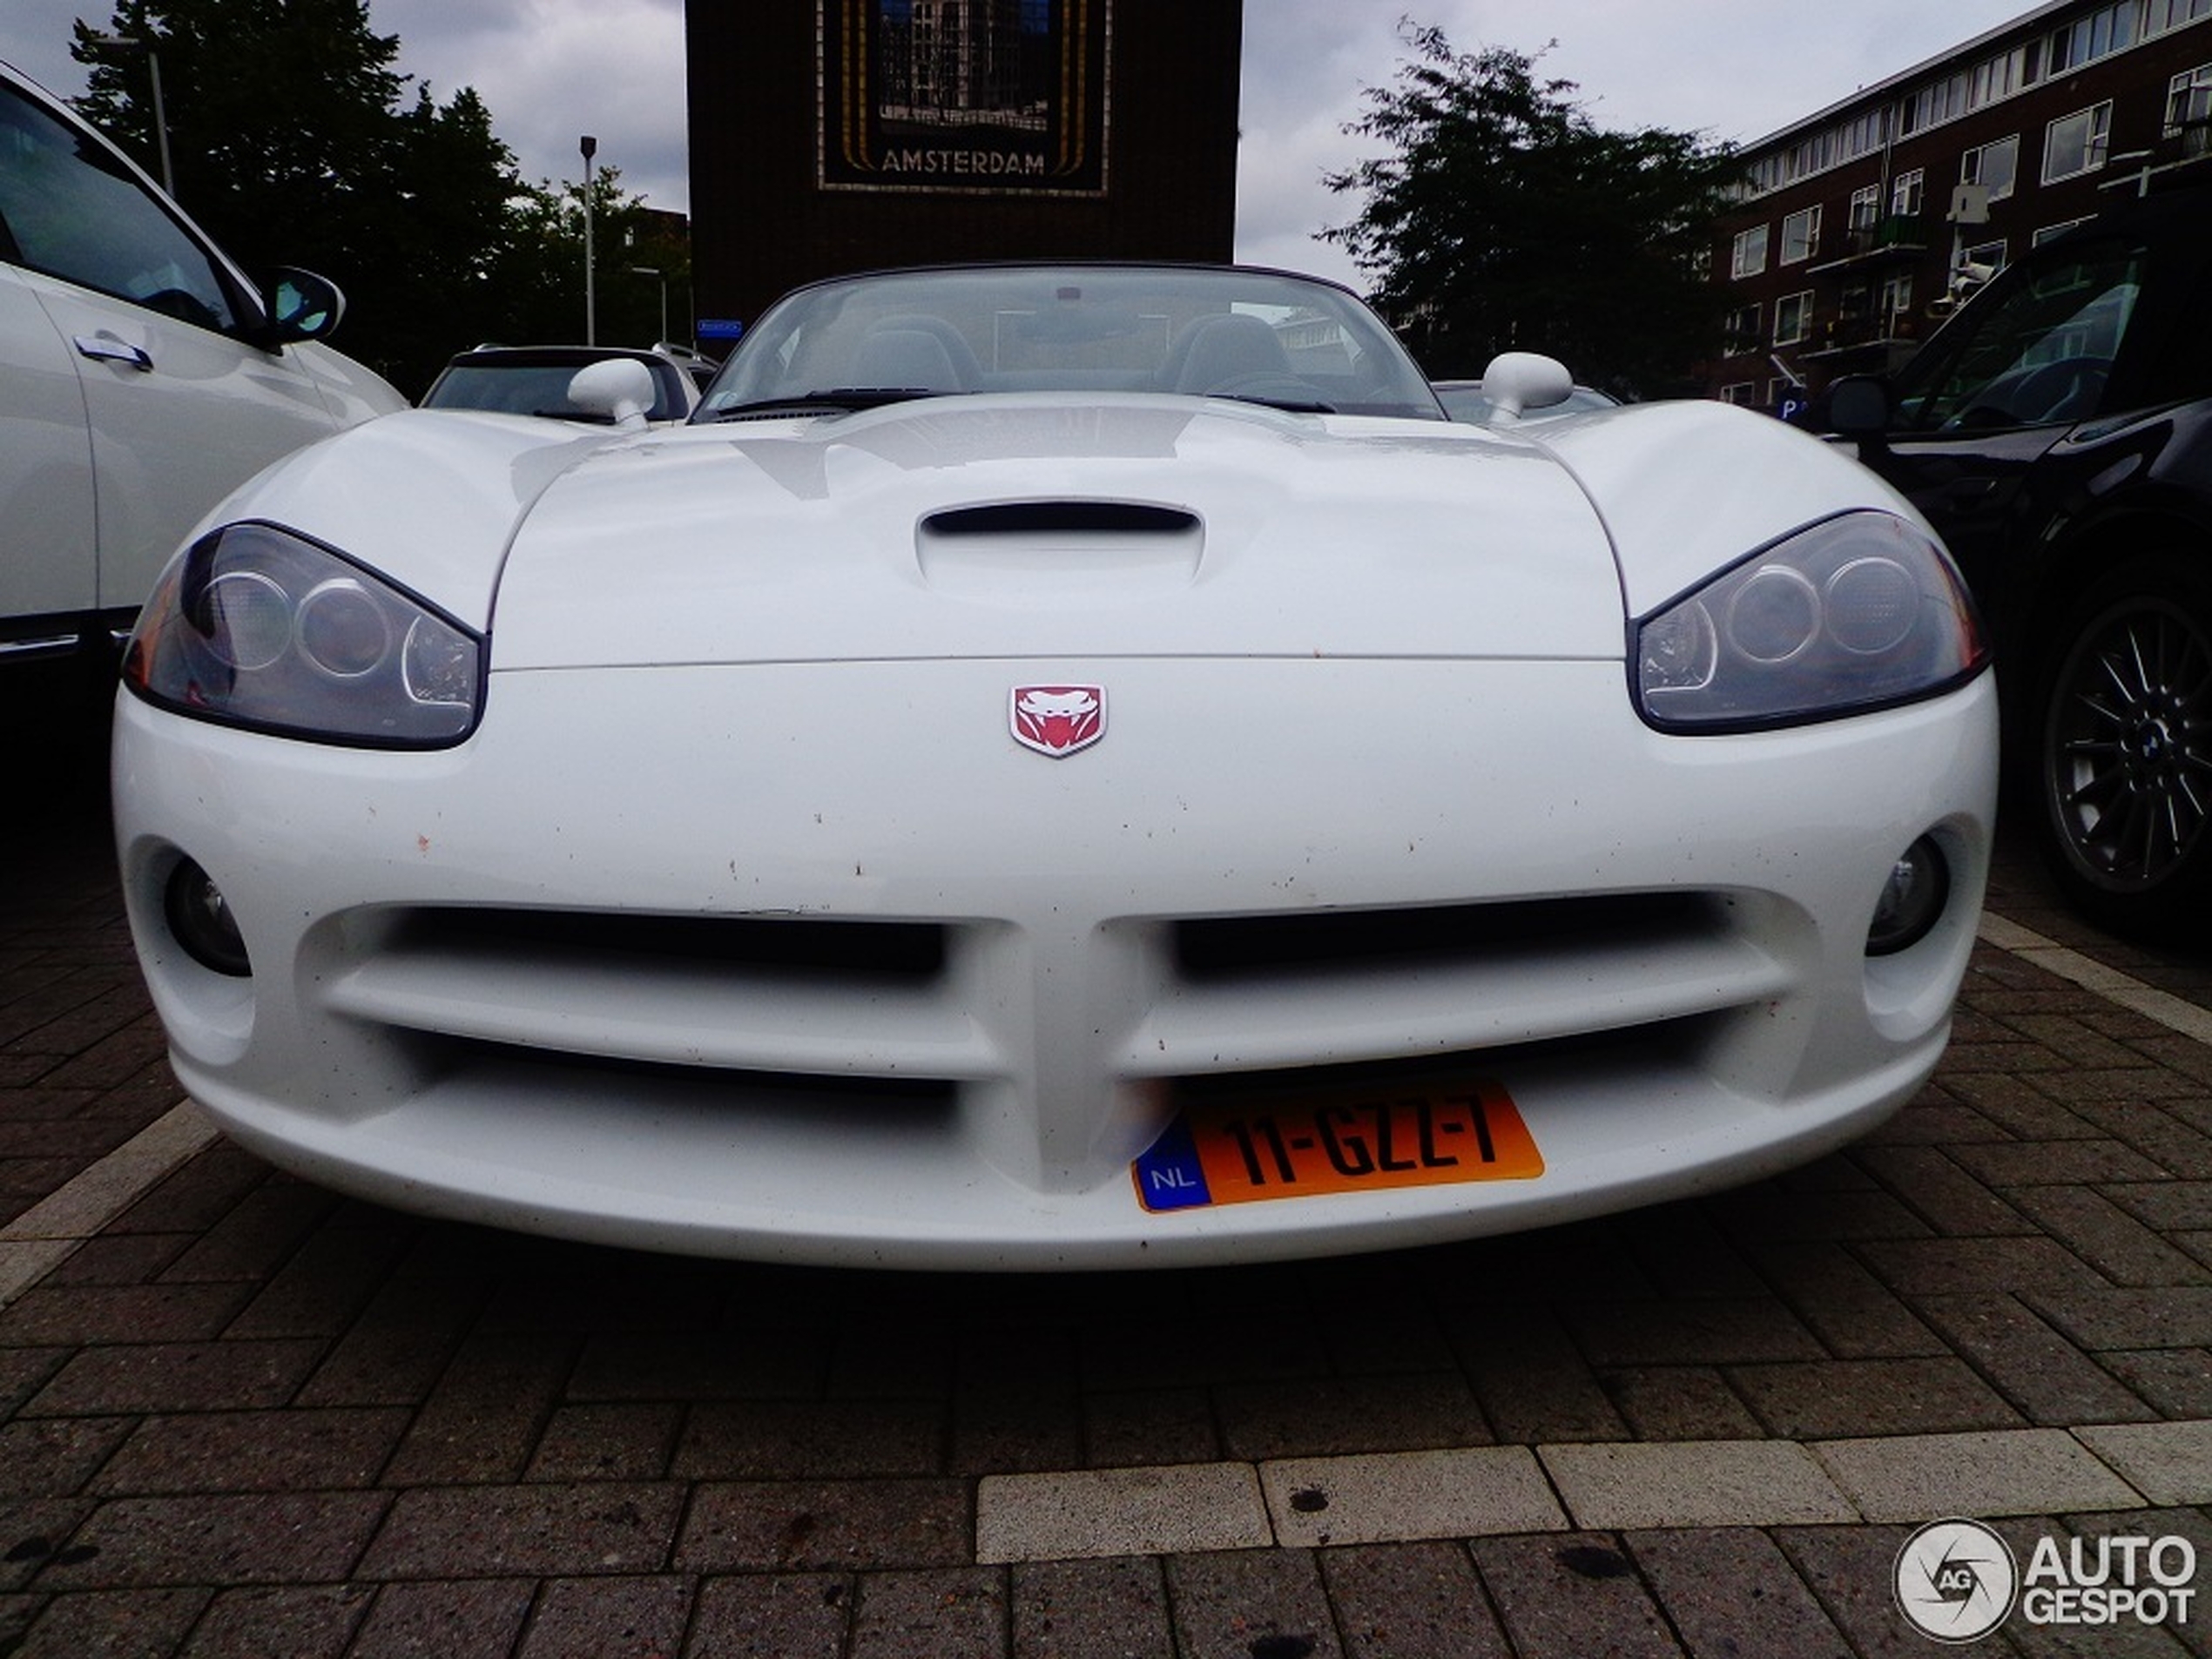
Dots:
pixel 655 271
pixel 590 148
pixel 137 44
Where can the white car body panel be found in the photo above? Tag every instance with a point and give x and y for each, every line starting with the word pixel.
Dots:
pixel 124 424
pixel 746 921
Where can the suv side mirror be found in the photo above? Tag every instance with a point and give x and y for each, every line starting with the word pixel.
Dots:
pixel 300 306
pixel 1859 406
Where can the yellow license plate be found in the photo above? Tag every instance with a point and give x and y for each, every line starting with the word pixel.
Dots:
pixel 1249 1149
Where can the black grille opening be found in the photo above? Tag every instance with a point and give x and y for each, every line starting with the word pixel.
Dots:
pixel 1238 946
pixel 1062 518
pixel 908 951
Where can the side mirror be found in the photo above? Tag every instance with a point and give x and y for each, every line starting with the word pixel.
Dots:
pixel 619 389
pixel 300 306
pixel 1517 382
pixel 1859 406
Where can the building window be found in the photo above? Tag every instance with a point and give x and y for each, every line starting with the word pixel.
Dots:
pixel 1749 257
pixel 1866 207
pixel 1897 295
pixel 2077 144
pixel 1792 318
pixel 1801 235
pixel 2162 15
pixel 2189 99
pixel 2051 233
pixel 1741 329
pixel 1994 166
pixel 1908 194
pixel 1743 393
pixel 1988 255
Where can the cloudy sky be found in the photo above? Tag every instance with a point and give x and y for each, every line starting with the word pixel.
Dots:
pixel 552 70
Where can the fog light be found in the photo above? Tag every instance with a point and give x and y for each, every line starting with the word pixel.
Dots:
pixel 200 920
pixel 1912 899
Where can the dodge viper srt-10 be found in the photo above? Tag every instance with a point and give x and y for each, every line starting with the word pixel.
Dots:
pixel 1069 765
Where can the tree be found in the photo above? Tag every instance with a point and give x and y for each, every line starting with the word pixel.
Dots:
pixel 292 145
pixel 1504 218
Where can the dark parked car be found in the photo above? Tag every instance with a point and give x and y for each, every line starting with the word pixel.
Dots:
pixel 534 380
pixel 2058 431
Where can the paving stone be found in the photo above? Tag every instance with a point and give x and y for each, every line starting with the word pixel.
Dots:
pixel 995 1432
pixel 2173 1317
pixel 1926 1477
pixel 323 1288
pixel 393 1353
pixel 176 1377
pixel 1421 1600
pixel 1571 1596
pixel 2108 1238
pixel 2168 1463
pixel 257 1451
pixel 608 1618
pixel 1237 1604
pixel 113 1624
pixel 2055 1162
pixel 1681 1403
pixel 834 1439
pixel 1165 1510
pixel 2174 1382
pixel 951 1613
pixel 1952 1266
pixel 1732 1591
pixel 1124 1431
pixel 1708 1483
pixel 258 1235
pixel 607 1442
pixel 1723 1332
pixel 1941 1192
pixel 2043 1373
pixel 485 1414
pixel 264 1537
pixel 312 1623
pixel 1261 1421
pixel 1854 1314
pixel 810 1524
pixel 1532 1380
pixel 705 1365
pixel 119 1313
pixel 56 1455
pixel 781 1616
pixel 465 1619
pixel 1850 1571
pixel 1854 1397
pixel 1106 1609
pixel 1391 1497
pixel 587 1530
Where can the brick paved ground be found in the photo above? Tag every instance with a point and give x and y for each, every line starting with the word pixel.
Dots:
pixel 245 1417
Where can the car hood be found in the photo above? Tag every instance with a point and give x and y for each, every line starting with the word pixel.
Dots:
pixel 1035 527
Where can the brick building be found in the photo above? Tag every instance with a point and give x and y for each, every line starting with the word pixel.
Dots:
pixel 1864 225
pixel 836 135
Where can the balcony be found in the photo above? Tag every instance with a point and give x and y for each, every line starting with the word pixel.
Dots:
pixel 1900 236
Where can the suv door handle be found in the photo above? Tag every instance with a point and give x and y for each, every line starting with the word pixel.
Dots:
pixel 106 348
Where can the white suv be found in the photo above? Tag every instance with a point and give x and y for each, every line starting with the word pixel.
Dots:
pixel 142 378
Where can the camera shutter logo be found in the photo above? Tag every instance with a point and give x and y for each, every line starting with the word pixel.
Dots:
pixel 1956 1581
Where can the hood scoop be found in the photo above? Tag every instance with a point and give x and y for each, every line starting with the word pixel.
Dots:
pixel 1055 553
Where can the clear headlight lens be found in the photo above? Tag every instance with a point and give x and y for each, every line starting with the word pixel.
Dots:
pixel 1858 612
pixel 254 626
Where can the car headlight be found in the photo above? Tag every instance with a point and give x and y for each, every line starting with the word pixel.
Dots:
pixel 256 626
pixel 1858 612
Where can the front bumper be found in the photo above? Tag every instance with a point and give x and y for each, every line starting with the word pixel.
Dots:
pixel 814 962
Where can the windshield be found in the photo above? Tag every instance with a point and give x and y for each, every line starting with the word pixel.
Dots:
pixel 1257 336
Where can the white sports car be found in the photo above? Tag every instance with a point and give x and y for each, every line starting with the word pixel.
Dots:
pixel 1073 766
